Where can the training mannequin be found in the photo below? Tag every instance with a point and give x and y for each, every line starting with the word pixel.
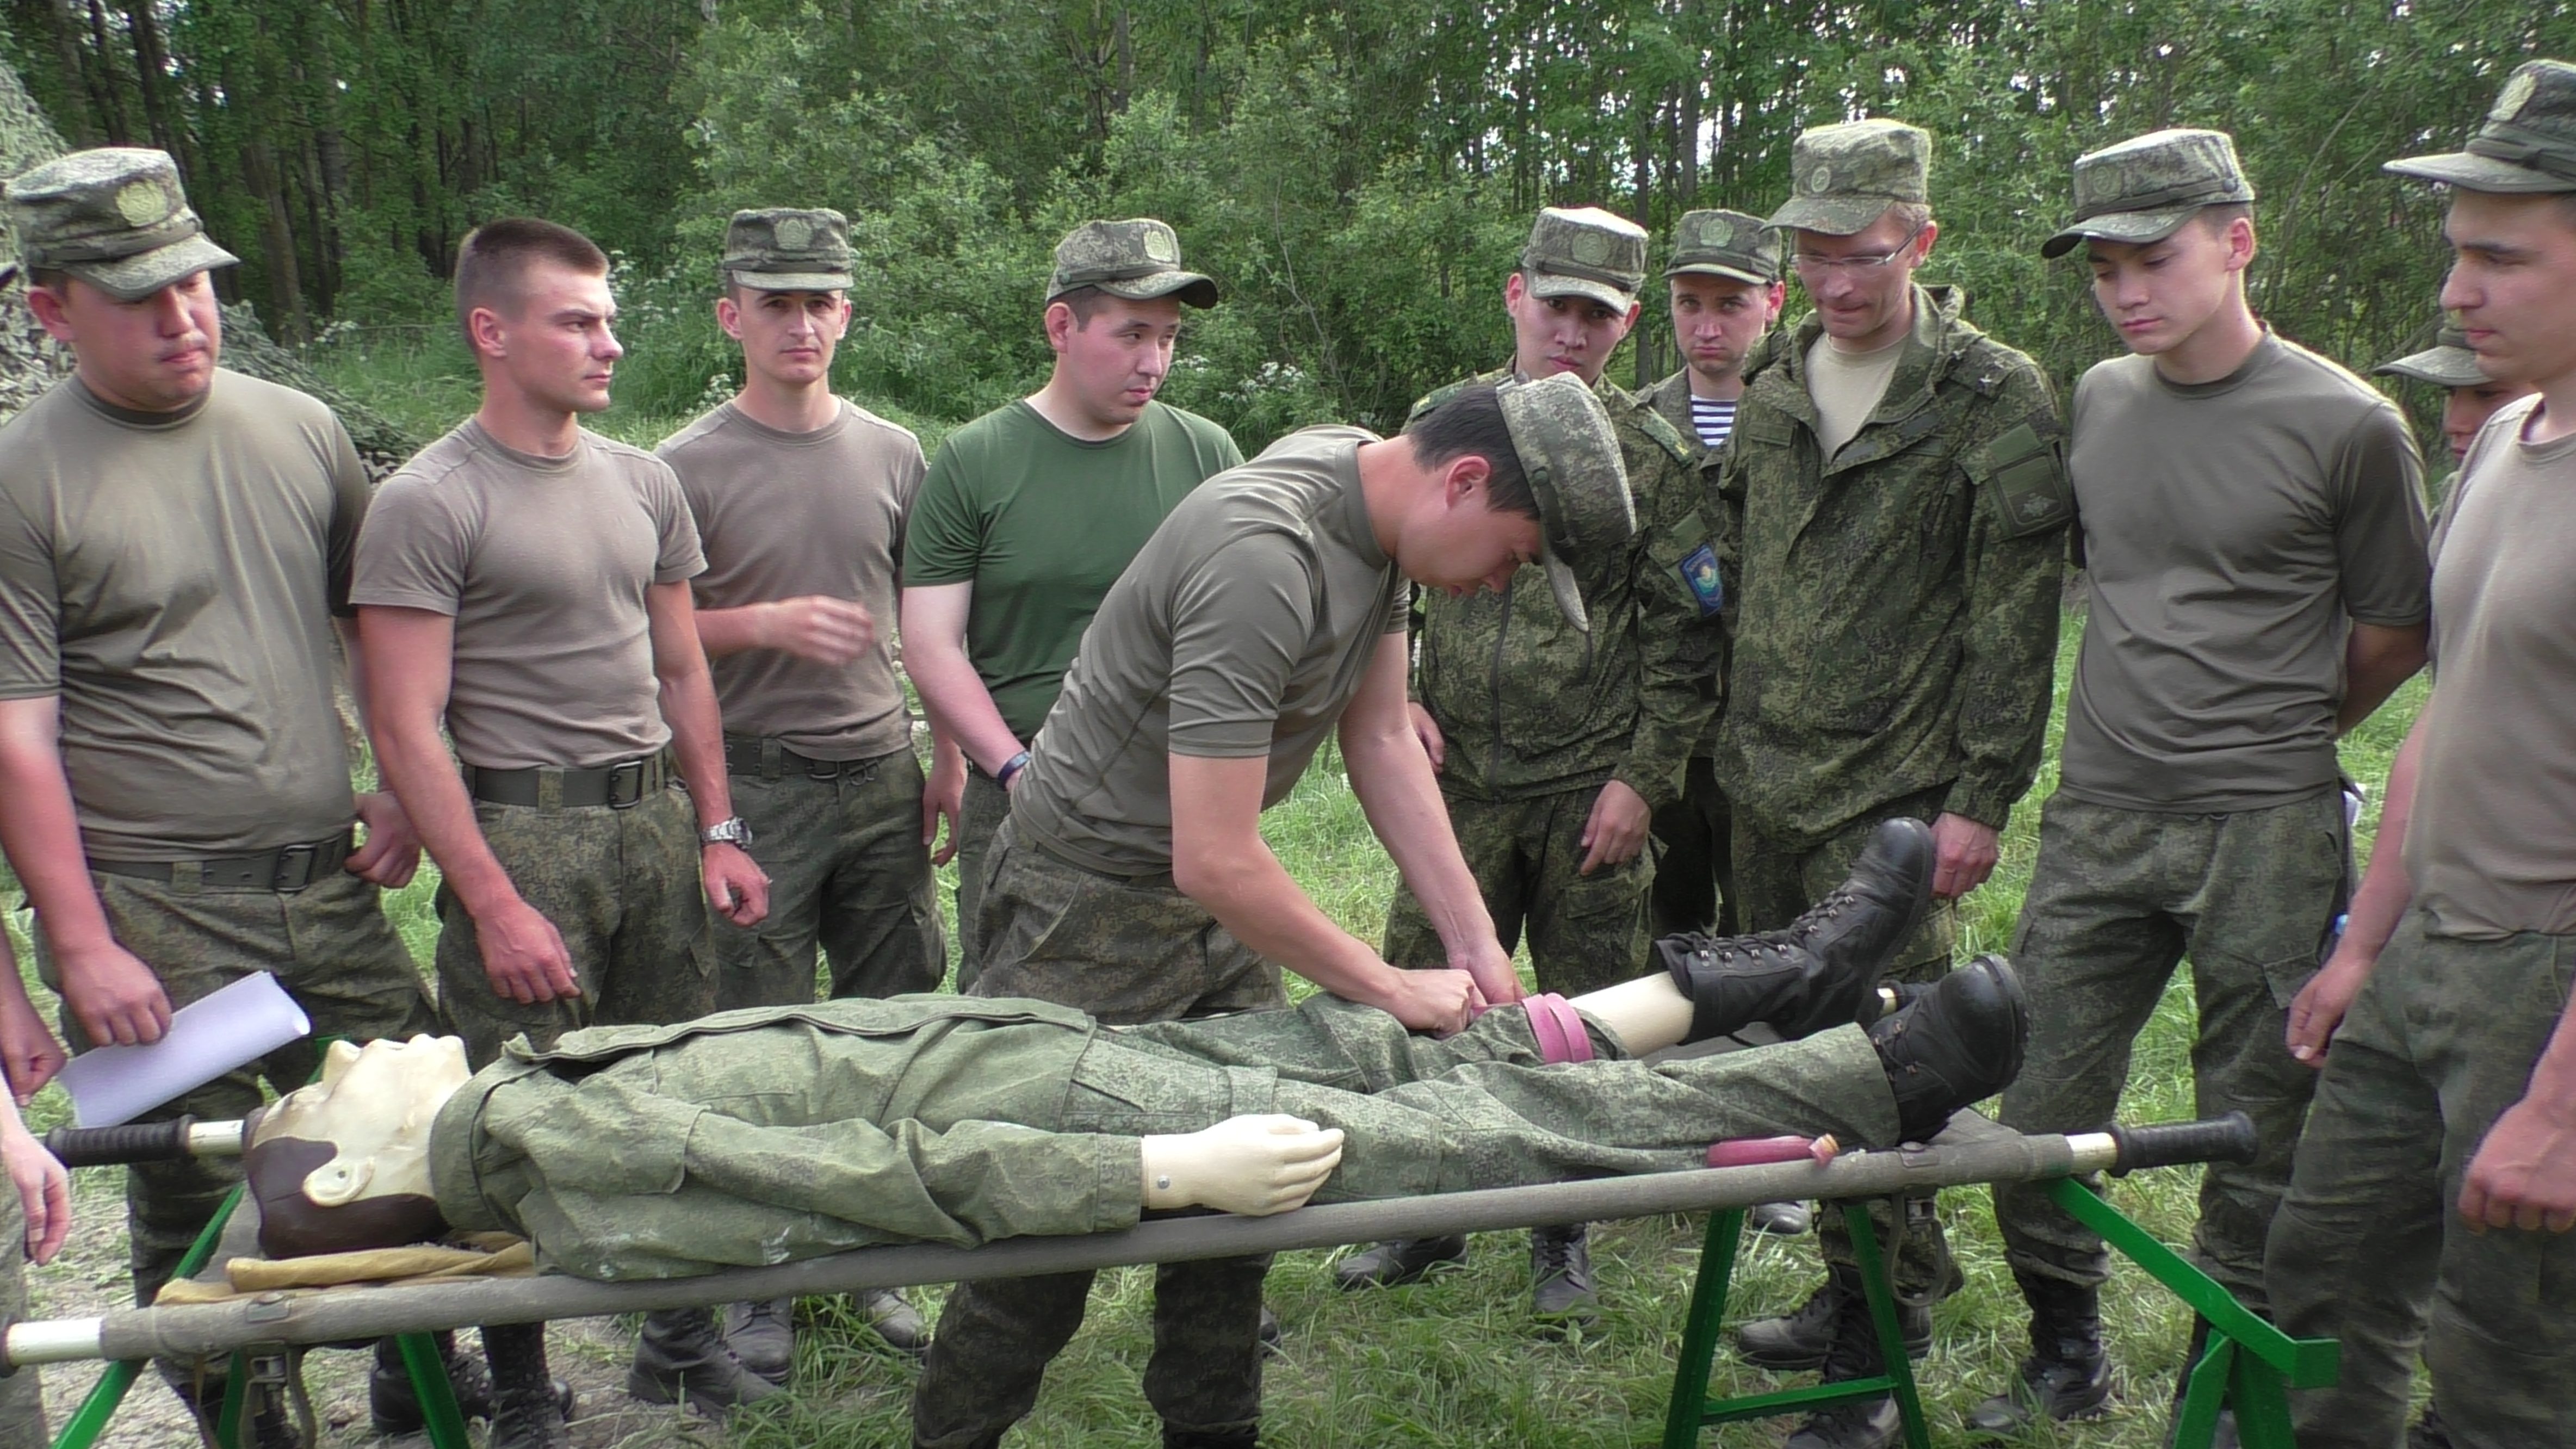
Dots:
pixel 759 1136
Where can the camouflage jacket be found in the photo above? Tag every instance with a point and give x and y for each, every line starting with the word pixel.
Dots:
pixel 1671 398
pixel 1895 626
pixel 1528 705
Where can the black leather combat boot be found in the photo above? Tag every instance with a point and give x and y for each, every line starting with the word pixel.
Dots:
pixel 2067 1376
pixel 1796 1342
pixel 529 1405
pixel 1956 1042
pixel 1399 1260
pixel 1819 970
pixel 681 1358
pixel 1870 1423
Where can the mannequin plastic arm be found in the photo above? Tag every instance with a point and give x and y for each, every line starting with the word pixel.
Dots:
pixel 1252 1165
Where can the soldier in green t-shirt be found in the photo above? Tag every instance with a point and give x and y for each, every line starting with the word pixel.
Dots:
pixel 1031 512
pixel 1556 744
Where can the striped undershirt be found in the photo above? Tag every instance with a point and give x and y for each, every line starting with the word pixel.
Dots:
pixel 1713 419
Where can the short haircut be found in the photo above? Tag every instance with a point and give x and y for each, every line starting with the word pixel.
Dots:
pixel 2221 215
pixel 1915 214
pixel 2567 207
pixel 1471 422
pixel 495 258
pixel 49 278
pixel 1085 302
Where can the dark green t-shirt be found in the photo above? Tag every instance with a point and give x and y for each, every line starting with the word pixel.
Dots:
pixel 1042 524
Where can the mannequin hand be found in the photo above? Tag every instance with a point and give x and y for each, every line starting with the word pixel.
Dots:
pixel 1251 1165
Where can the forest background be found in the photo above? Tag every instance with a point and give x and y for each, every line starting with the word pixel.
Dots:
pixel 1358 175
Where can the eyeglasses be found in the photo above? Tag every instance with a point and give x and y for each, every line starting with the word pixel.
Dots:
pixel 1866 262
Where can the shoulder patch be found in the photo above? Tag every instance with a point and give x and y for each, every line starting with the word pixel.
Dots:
pixel 1700 573
pixel 2028 475
pixel 1654 425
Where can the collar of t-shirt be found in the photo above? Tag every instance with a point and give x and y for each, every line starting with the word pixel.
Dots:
pixel 2256 363
pixel 482 441
pixel 1848 386
pixel 136 418
pixel 734 416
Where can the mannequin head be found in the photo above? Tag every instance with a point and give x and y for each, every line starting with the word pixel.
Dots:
pixel 344 1163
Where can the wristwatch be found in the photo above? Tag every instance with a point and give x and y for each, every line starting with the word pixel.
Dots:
pixel 734 832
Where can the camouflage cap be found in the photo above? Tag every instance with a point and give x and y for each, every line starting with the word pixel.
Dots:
pixel 1138 260
pixel 787 249
pixel 2526 144
pixel 1585 252
pixel 1570 454
pixel 2145 188
pixel 2447 363
pixel 1725 244
pixel 1844 177
pixel 113 217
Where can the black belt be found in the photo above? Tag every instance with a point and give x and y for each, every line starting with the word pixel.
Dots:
pixel 286 869
pixel 770 759
pixel 621 786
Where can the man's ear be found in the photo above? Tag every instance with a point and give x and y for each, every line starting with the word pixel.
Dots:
pixel 1515 287
pixel 1776 296
pixel 1465 477
pixel 48 307
pixel 729 316
pixel 488 333
pixel 1060 325
pixel 2240 243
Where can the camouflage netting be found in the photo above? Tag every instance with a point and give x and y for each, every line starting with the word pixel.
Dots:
pixel 31 362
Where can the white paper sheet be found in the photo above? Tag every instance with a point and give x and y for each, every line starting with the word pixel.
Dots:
pixel 207 1038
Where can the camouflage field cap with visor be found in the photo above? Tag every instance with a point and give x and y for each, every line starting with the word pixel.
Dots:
pixel 1570 454
pixel 788 249
pixel 2447 363
pixel 1585 252
pixel 2526 144
pixel 1138 259
pixel 113 217
pixel 2145 188
pixel 1728 244
pixel 1842 178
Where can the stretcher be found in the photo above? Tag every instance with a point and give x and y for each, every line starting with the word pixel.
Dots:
pixel 2249 1365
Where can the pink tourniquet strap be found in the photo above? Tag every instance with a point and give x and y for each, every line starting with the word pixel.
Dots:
pixel 1578 1037
pixel 1548 1029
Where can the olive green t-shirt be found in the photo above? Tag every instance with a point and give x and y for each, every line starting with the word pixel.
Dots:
pixel 1847 388
pixel 2231 530
pixel 1243 628
pixel 785 516
pixel 1042 524
pixel 2488 847
pixel 544 564
pixel 171 579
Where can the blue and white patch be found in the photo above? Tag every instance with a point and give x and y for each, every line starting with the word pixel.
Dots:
pixel 1699 570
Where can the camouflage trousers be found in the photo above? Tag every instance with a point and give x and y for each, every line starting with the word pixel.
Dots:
pixel 22 1394
pixel 848 872
pixel 1585 931
pixel 1779 878
pixel 2369 1243
pixel 979 817
pixel 332 949
pixel 2119 898
pixel 1127 951
pixel 622 888
pixel 1695 877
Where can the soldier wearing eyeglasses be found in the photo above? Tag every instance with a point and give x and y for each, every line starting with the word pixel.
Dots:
pixel 1895 493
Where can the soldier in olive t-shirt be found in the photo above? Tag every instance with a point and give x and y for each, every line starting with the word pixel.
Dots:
pixel 2254 539
pixel 174 547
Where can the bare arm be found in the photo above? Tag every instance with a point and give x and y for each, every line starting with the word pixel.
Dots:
pixel 735 887
pixel 391 852
pixel 1220 861
pixel 112 994
pixel 2376 659
pixel 934 653
pixel 815 627
pixel 29 1055
pixel 2377 906
pixel 409 665
pixel 1396 788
